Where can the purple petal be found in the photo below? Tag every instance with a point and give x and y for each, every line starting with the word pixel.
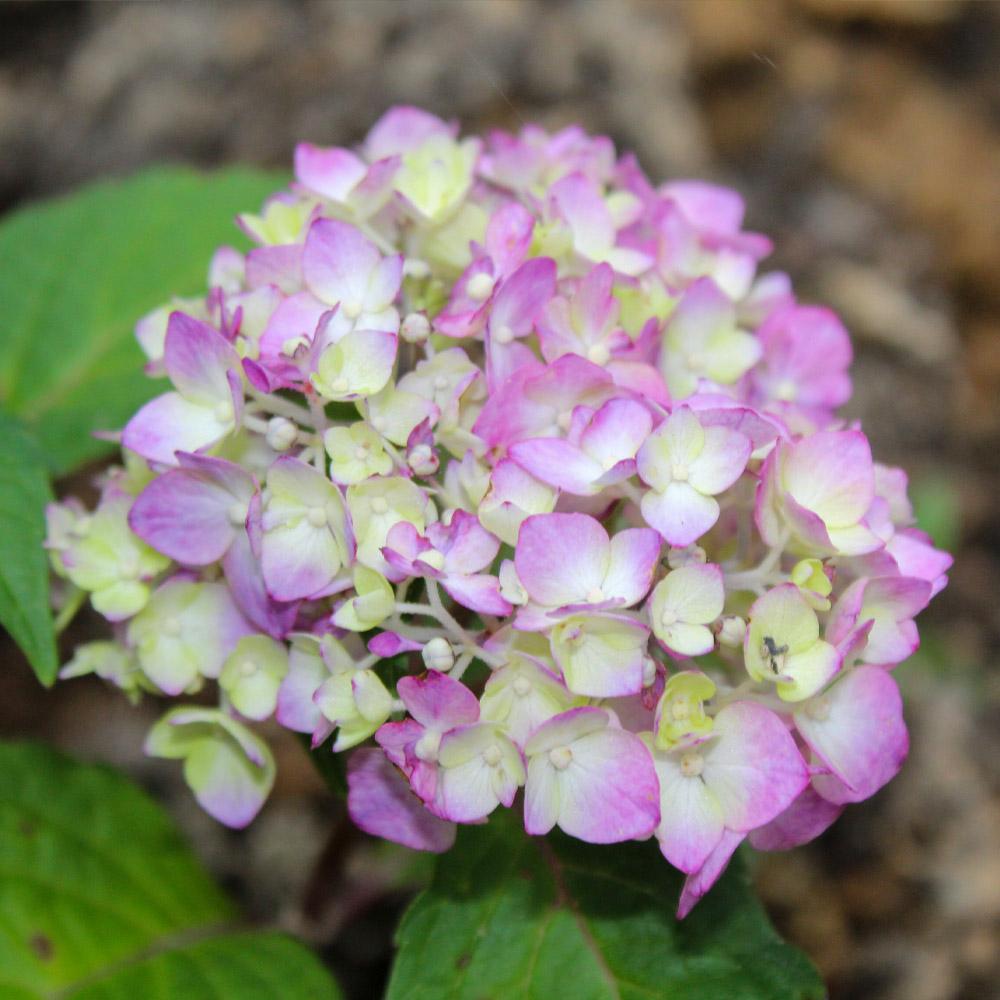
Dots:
pixel 192 514
pixel 804 820
pixel 246 581
pixel 381 803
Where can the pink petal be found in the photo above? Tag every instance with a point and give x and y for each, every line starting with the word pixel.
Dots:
pixel 467 546
pixel 478 592
pixel 280 266
pixel 508 236
pixel 832 474
pixel 521 297
pixel 699 882
pixel 389 644
pixel 296 709
pixel 381 803
pixel 437 701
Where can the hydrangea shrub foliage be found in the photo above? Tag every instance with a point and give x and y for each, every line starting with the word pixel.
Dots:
pixel 509 475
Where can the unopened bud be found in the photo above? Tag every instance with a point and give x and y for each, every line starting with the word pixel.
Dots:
pixel 692 555
pixel 281 433
pixel 423 460
pixel 438 655
pixel 415 328
pixel 733 629
pixel 648 671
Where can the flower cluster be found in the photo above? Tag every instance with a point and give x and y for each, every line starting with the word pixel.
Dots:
pixel 497 458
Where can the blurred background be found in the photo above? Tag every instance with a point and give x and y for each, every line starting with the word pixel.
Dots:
pixel 865 136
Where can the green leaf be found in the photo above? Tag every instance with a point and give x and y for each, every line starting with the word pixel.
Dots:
pixel 102 899
pixel 24 569
pixel 513 916
pixel 79 271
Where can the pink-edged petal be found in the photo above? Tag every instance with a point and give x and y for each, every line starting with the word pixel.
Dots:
pixel 296 560
pixel 280 266
pixel 804 820
pixel 686 639
pixel 467 546
pixel 721 462
pixel 691 821
pixel 479 592
pixel 296 709
pixel 296 318
pixel 508 236
pixel 616 431
pixel 559 463
pixel 857 730
pixel 197 358
pixel 337 261
pixel 401 129
pixel 561 558
pixel 754 769
pixel 381 803
pixel 680 513
pixel 699 882
pixel 171 423
pixel 437 701
pixel 521 297
pixel 331 172
pixel 832 474
pixel 609 791
pixel 635 553
pixel 541 797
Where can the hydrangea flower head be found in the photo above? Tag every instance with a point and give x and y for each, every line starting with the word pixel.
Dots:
pixel 505 472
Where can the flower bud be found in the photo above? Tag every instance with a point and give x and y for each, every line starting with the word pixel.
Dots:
pixel 690 555
pixel 281 433
pixel 415 329
pixel 732 630
pixel 438 655
pixel 423 460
